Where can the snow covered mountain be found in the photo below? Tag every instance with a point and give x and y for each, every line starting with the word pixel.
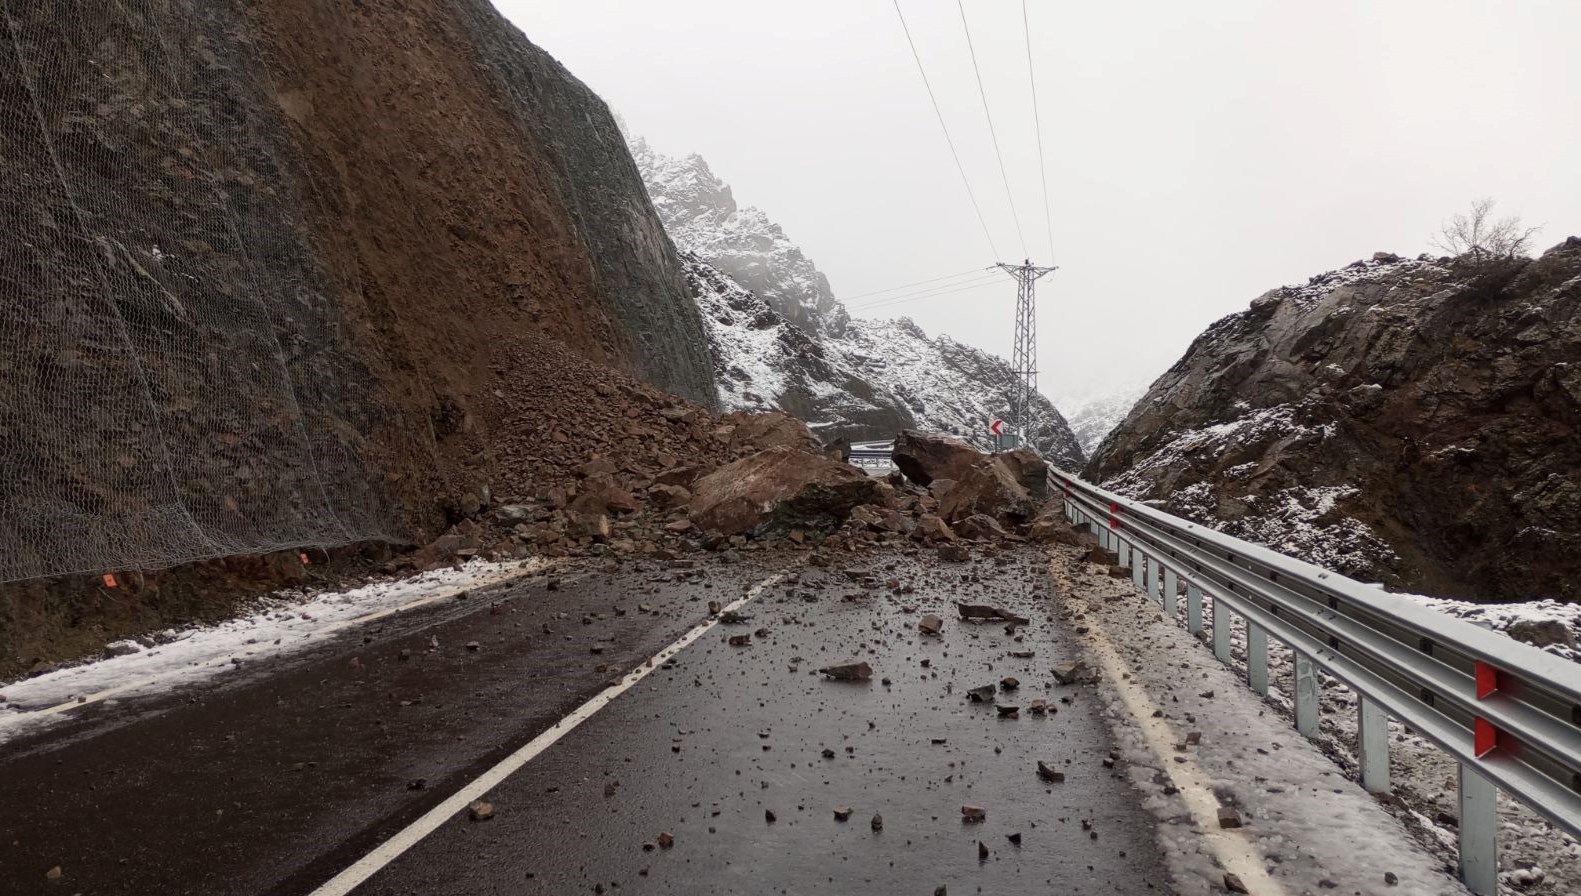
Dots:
pixel 782 340
pixel 1097 415
pixel 700 213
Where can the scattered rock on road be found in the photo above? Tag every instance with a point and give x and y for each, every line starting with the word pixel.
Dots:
pixel 954 553
pixel 973 814
pixel 842 813
pixel 1233 883
pixel 1049 773
pixel 481 810
pixel 982 611
pixel 1070 673
pixel 848 672
pixel 930 624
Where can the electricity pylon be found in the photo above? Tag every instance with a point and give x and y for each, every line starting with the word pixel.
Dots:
pixel 1025 359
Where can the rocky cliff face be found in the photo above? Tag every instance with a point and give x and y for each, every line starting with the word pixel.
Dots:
pixel 783 341
pixel 700 213
pixel 1409 421
pixel 267 261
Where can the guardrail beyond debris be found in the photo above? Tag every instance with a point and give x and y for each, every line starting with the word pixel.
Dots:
pixel 1509 713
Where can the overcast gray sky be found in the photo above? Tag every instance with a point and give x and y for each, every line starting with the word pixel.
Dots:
pixel 1198 154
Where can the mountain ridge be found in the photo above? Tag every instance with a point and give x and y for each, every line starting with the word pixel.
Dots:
pixel 847 377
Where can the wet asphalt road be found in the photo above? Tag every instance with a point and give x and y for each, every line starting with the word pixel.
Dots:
pixel 272 780
pixel 705 750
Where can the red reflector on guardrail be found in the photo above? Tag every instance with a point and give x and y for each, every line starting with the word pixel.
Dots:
pixel 1484 736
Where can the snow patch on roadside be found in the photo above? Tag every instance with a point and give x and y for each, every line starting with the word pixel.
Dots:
pixel 1523 615
pixel 284 622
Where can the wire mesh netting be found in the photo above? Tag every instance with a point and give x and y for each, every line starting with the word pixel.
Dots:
pixel 173 375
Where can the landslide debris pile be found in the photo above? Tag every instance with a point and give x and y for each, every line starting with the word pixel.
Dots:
pixel 262 257
pixel 781 340
pixel 597 463
pixel 1411 421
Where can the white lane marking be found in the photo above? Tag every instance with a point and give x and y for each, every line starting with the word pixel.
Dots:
pixel 214 662
pixel 412 834
pixel 1234 851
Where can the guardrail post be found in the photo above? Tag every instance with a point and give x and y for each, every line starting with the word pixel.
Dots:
pixel 1306 695
pixel 1139 570
pixel 1171 592
pixel 1193 609
pixel 1372 738
pixel 1123 550
pixel 1221 631
pixel 1257 658
pixel 1479 829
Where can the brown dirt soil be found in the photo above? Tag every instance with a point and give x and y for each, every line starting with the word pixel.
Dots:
pixel 428 215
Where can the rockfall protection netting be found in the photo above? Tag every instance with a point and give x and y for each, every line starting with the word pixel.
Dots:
pixel 173 374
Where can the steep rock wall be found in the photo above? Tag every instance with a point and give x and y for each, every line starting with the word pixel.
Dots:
pixel 1408 421
pixel 264 263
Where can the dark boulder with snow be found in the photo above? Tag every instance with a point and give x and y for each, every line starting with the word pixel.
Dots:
pixel 1408 421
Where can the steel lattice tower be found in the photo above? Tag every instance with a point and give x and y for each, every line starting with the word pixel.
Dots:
pixel 1025 359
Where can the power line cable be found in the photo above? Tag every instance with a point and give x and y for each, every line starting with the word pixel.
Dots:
pixel 922 294
pixel 907 299
pixel 1048 219
pixel 983 92
pixel 973 272
pixel 947 139
pixel 957 282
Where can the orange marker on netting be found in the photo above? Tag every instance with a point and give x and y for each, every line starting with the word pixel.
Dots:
pixel 109 580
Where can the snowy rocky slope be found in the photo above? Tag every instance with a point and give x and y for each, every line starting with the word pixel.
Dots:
pixel 1409 421
pixel 782 340
pixel 1095 414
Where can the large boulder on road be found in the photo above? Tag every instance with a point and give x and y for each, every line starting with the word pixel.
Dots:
pixel 926 456
pixel 771 429
pixel 990 488
pixel 1030 470
pixel 780 489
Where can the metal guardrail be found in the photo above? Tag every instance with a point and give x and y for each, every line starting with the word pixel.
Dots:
pixel 1509 713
